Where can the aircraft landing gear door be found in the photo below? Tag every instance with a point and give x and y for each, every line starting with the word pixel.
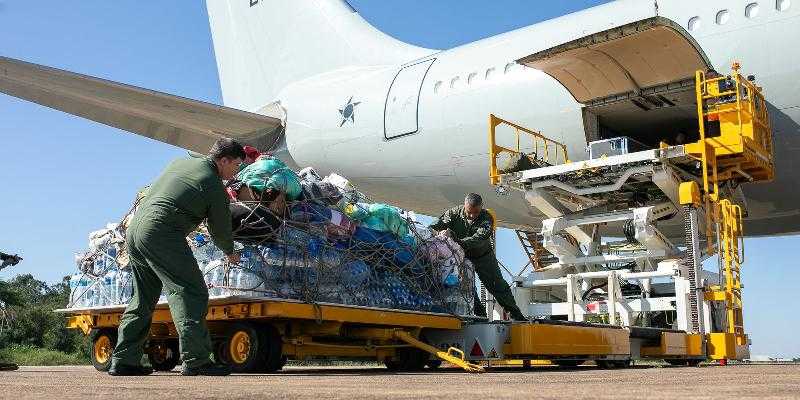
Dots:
pixel 400 116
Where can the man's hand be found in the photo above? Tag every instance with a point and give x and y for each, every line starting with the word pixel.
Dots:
pixel 443 233
pixel 234 258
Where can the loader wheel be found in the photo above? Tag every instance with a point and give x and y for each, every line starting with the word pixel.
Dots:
pixel 243 350
pixel 103 343
pixel 164 355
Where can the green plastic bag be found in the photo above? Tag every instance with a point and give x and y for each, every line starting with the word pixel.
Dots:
pixel 271 173
pixel 357 211
pixel 387 216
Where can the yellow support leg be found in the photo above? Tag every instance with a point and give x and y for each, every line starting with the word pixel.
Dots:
pixel 445 356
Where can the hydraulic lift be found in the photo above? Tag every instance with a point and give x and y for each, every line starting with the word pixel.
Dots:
pixel 626 235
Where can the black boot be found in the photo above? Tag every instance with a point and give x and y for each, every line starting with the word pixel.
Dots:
pixel 207 370
pixel 8 366
pixel 518 316
pixel 129 370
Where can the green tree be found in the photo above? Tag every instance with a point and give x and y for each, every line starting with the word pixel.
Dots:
pixel 33 321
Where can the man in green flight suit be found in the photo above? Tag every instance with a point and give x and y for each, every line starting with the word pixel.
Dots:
pixel 186 193
pixel 471 227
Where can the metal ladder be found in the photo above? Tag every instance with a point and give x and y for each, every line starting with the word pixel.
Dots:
pixel 532 245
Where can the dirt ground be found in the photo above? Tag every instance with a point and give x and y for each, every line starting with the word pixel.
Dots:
pixel 739 381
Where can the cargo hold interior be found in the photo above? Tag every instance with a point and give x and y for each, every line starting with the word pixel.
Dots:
pixel 635 80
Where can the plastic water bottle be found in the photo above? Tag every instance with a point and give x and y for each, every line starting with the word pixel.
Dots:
pixel 109 293
pixel 91 293
pixel 124 286
pixel 450 280
pixel 74 281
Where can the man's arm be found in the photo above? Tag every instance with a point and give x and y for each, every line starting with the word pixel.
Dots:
pixel 219 222
pixel 442 223
pixel 482 235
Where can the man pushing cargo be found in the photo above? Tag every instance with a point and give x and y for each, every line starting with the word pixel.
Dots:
pixel 186 193
pixel 471 227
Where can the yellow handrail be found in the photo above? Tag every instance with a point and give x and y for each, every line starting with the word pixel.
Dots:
pixel 732 254
pixel 542 146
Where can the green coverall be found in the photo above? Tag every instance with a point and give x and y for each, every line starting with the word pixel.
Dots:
pixel 475 237
pixel 186 193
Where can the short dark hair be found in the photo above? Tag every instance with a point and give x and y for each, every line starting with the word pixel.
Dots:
pixel 227 147
pixel 474 200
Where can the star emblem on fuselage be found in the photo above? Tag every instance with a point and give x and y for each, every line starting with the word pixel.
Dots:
pixel 348 112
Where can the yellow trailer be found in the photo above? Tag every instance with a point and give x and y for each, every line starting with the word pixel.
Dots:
pixel 260 335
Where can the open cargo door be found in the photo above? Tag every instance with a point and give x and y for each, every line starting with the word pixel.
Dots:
pixel 634 80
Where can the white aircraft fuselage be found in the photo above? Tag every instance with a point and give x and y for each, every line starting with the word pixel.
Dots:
pixel 336 121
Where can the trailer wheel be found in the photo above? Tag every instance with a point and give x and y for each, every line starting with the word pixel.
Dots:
pixel 433 364
pixel 103 343
pixel 271 349
pixel 221 354
pixel 407 359
pixel 164 355
pixel 244 348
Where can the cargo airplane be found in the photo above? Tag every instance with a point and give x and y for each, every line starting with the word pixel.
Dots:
pixel 314 83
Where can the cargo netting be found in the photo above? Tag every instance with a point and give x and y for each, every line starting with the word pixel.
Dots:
pixel 326 244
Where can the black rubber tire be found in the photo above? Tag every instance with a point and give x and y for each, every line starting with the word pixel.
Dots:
pixel 243 348
pixel 433 364
pixel 681 362
pixel 613 364
pixel 103 343
pixel 407 359
pixel 220 351
pixel 271 349
pixel 170 360
pixel 8 366
pixel 694 362
pixel 568 363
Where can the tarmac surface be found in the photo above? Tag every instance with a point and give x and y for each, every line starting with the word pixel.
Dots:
pixel 735 381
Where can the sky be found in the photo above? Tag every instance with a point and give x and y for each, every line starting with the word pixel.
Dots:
pixel 64 176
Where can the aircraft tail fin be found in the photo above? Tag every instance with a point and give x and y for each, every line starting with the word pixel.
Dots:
pixel 263 45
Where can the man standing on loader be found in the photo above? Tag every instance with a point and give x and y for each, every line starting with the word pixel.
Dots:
pixel 186 193
pixel 471 227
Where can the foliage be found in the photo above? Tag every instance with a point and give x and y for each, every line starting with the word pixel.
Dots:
pixel 32 355
pixel 31 322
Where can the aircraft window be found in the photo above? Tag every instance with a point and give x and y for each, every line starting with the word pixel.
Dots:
pixel 694 23
pixel 489 73
pixel 437 86
pixel 453 82
pixel 471 78
pixel 722 17
pixel 783 5
pixel 509 66
pixel 751 11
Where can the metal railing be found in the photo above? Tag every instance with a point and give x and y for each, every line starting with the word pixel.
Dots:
pixel 543 148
